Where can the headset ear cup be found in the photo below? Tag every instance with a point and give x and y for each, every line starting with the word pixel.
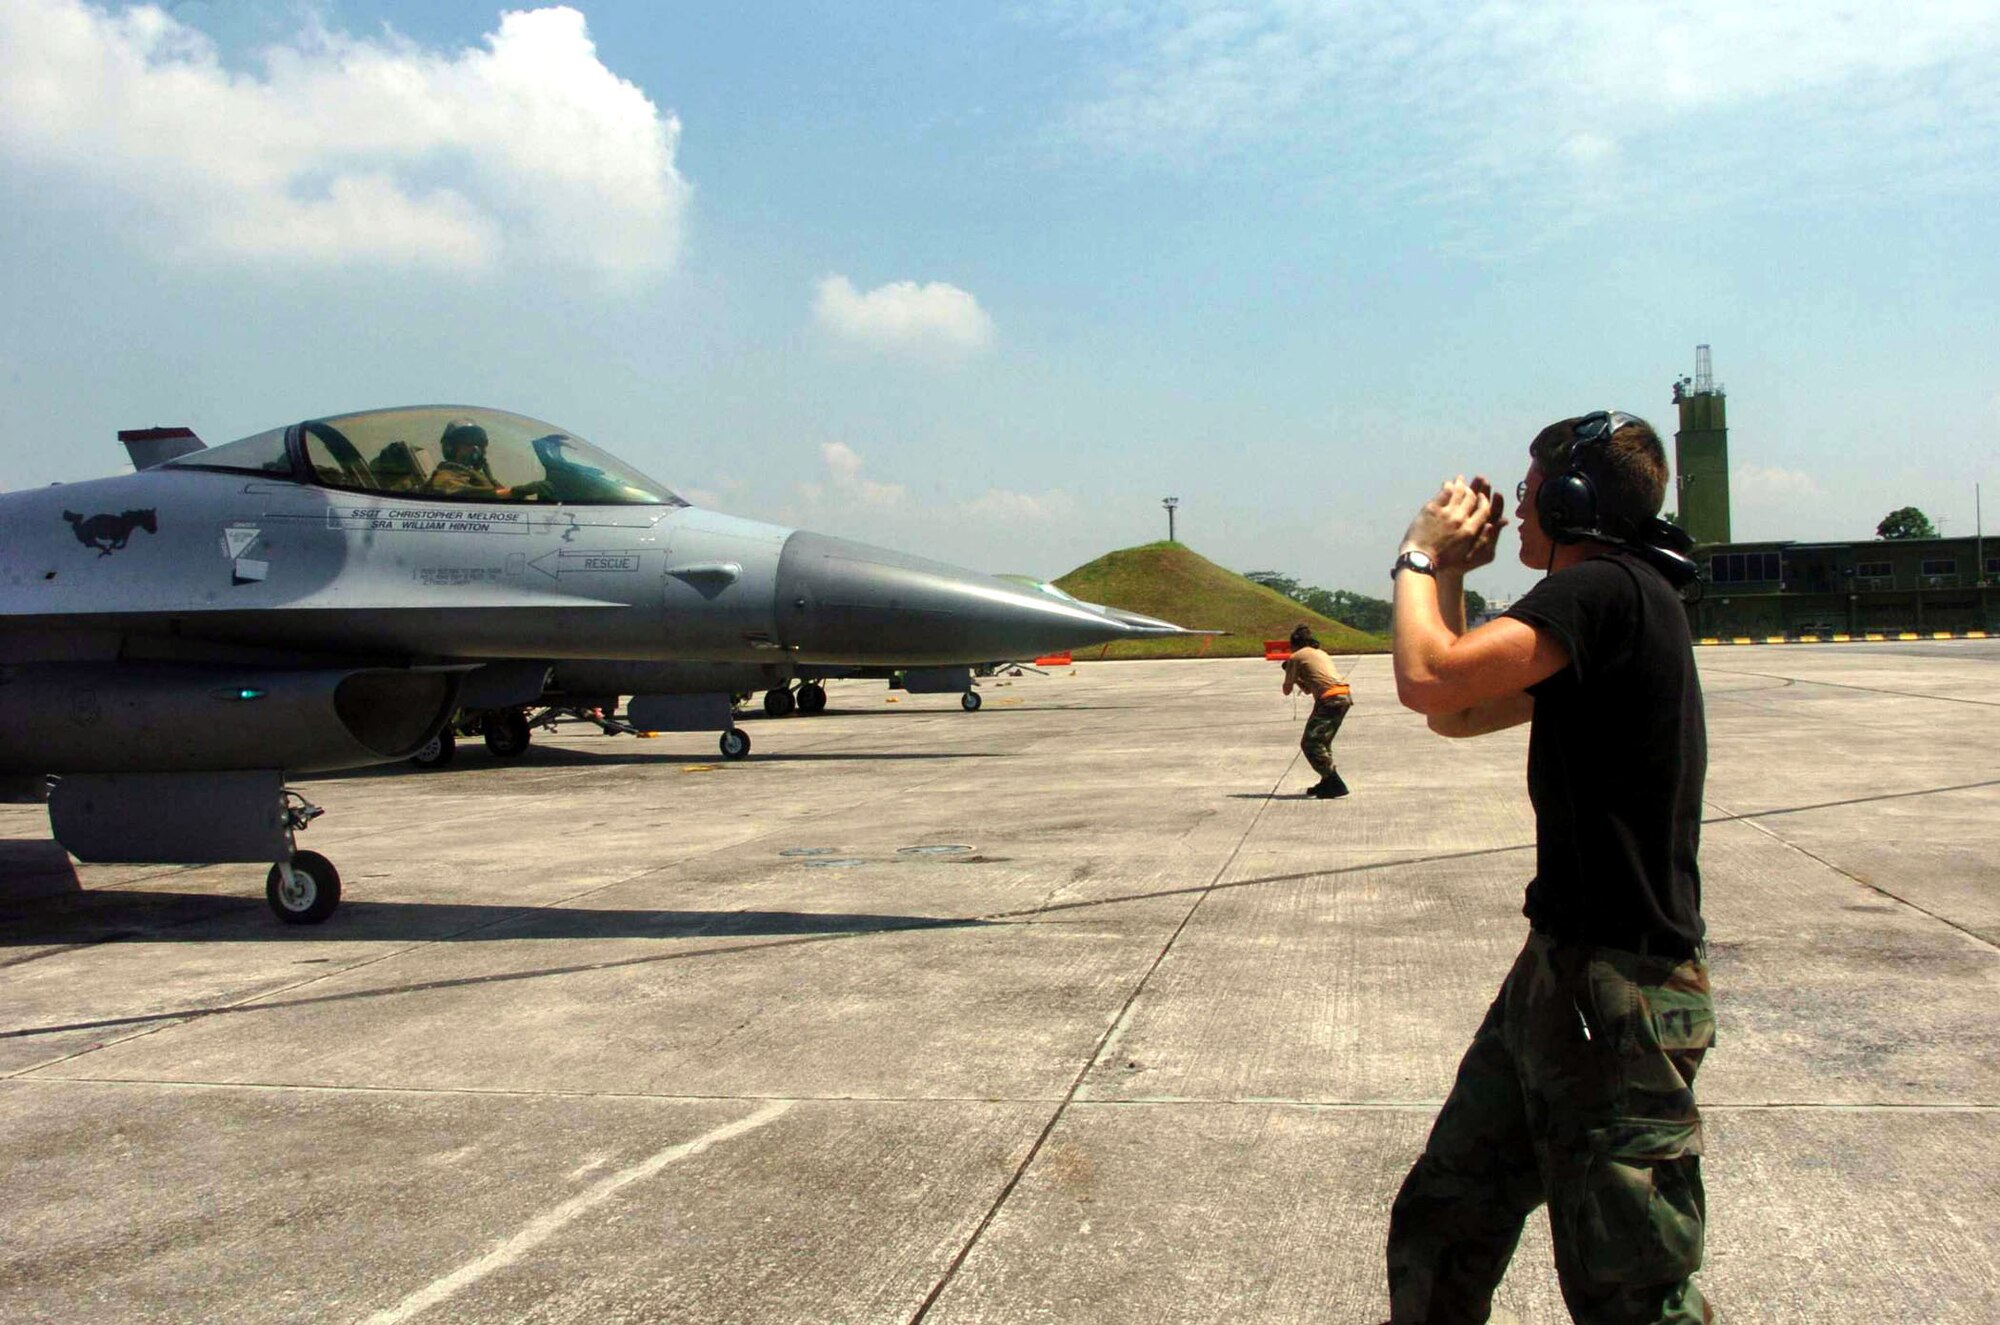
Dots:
pixel 1566 506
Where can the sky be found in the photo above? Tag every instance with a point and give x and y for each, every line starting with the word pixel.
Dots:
pixel 987 282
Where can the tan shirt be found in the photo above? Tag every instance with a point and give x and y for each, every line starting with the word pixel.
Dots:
pixel 454 476
pixel 1312 671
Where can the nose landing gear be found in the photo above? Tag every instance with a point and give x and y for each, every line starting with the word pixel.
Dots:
pixel 303 890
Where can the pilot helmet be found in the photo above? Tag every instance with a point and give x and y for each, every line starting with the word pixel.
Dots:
pixel 461 435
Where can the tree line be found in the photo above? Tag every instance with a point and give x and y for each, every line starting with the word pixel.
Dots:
pixel 1371 615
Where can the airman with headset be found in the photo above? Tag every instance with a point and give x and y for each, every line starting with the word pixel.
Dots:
pixel 464 468
pixel 1578 1088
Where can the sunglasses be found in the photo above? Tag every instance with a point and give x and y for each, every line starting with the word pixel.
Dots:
pixel 1598 426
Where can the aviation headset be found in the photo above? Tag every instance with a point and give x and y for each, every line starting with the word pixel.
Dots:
pixel 459 433
pixel 1570 510
pixel 1567 504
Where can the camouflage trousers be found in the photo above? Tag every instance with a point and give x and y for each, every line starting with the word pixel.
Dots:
pixel 1578 1091
pixel 1321 728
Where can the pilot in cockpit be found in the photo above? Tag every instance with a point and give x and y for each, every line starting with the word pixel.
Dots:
pixel 464 467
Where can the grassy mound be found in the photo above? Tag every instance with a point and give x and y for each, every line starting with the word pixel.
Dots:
pixel 1169 581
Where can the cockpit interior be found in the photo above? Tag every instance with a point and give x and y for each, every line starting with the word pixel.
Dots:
pixel 440 452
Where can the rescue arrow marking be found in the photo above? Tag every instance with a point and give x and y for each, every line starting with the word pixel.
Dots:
pixel 570 563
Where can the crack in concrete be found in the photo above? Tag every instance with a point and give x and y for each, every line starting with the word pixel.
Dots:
pixel 1877 888
pixel 250 1004
pixel 918 1101
pixel 154 1023
pixel 1725 817
pixel 269 1000
pixel 1110 1037
pixel 1869 690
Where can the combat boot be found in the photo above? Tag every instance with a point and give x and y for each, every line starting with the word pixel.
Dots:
pixel 1330 787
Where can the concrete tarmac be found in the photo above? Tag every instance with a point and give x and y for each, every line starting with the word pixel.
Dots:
pixel 1071 1009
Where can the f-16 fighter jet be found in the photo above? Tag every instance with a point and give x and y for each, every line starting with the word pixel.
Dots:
pixel 175 642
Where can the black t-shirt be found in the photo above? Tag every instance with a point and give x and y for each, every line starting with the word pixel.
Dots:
pixel 1616 761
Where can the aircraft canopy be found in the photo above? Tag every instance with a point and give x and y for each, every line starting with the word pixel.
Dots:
pixel 444 452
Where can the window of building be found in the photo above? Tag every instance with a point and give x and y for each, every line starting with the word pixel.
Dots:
pixel 1744 567
pixel 1874 575
pixel 1937 573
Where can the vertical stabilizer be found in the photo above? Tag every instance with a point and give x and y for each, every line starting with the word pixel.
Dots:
pixel 156 446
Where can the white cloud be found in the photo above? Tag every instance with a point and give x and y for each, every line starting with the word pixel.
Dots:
pixel 347 150
pixel 717 494
pixel 904 316
pixel 1590 149
pixel 844 482
pixel 1465 98
pixel 1003 506
pixel 1772 485
pixel 984 530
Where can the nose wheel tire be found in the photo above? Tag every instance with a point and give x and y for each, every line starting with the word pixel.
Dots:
pixel 735 744
pixel 309 895
pixel 779 702
pixel 970 701
pixel 506 733
pixel 437 751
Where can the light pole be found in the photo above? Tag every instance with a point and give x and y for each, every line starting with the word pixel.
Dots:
pixel 1170 503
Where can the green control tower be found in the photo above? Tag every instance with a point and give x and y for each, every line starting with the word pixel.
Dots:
pixel 1701 454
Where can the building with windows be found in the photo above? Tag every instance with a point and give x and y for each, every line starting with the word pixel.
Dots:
pixel 1793 589
pixel 1867 587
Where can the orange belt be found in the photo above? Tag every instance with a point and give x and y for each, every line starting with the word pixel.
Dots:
pixel 1334 692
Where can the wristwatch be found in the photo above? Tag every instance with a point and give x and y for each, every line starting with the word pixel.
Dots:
pixel 1420 562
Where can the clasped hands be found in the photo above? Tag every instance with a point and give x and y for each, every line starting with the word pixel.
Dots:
pixel 1459 527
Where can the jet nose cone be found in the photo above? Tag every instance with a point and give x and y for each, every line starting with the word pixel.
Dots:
pixel 842 602
pixel 1144 625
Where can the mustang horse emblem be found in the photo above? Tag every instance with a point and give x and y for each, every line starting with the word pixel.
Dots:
pixel 108 533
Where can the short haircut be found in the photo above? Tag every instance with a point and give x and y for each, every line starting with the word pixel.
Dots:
pixel 1630 469
pixel 1303 638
